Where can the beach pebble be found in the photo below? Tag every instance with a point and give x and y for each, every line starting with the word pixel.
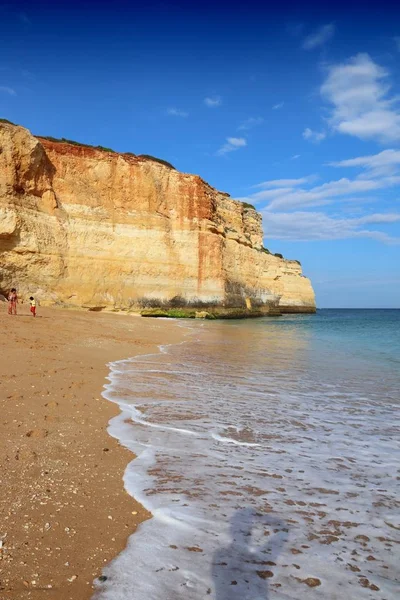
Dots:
pixel 312 581
pixel 265 574
pixel 71 579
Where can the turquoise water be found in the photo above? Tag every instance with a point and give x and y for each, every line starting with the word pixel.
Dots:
pixel 268 452
pixel 365 334
pixel 351 343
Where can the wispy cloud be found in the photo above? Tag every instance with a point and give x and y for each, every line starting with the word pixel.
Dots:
pixel 284 183
pixel 8 90
pixel 345 206
pixel 319 37
pixel 314 136
pixel 177 112
pixel 288 205
pixel 362 107
pixel 232 144
pixel 312 226
pixel 378 172
pixel 295 156
pixel 324 194
pixel 278 106
pixel 385 163
pixel 213 101
pixel 250 123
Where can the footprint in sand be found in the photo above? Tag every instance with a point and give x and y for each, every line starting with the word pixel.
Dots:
pixel 37 433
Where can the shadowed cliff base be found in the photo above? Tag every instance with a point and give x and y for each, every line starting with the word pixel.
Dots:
pixel 297 309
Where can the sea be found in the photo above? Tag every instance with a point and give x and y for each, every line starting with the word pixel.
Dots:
pixel 268 452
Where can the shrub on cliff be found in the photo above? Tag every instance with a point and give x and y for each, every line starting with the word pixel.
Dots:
pixel 74 143
pixel 63 141
pixel 159 160
pixel 104 148
pixel 6 121
pixel 247 205
pixel 50 138
pixel 278 255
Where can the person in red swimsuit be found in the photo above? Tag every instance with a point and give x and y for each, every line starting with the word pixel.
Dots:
pixel 33 306
pixel 12 302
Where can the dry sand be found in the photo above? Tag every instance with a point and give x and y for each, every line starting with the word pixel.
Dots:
pixel 63 510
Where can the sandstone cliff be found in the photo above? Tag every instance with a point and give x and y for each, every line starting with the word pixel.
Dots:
pixel 86 227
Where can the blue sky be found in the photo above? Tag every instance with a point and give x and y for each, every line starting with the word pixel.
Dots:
pixel 295 110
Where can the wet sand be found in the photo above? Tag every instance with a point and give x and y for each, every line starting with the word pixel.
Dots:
pixel 64 512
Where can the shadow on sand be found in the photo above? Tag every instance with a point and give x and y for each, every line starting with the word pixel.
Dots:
pixel 243 570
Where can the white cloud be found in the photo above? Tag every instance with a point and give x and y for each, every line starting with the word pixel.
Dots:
pixel 319 37
pixel 289 194
pixel 385 163
pixel 295 156
pixel 313 226
pixel 379 218
pixel 176 112
pixel 386 157
pixel 278 106
pixel 359 92
pixel 213 101
pixel 327 192
pixel 270 194
pixel 314 136
pixel 284 183
pixel 8 90
pixel 250 123
pixel 232 144
pixel 288 205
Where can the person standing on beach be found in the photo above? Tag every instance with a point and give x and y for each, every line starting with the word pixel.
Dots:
pixel 33 306
pixel 12 302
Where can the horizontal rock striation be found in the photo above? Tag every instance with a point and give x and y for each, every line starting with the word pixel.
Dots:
pixel 85 227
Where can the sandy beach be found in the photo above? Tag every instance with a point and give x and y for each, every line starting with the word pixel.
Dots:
pixel 64 512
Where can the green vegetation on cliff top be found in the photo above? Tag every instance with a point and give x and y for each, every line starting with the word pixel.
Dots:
pixel 102 148
pixel 247 205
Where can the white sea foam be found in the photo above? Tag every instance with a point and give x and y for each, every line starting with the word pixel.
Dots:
pixel 263 478
pixel 228 440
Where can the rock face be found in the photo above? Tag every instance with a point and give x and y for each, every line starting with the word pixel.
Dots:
pixel 87 227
